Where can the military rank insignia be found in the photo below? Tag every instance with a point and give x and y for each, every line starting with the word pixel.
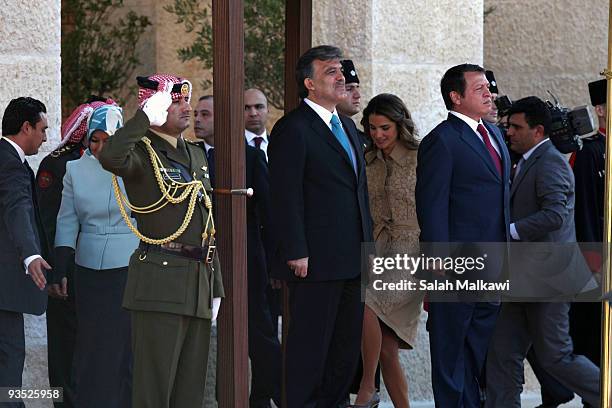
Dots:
pixel 185 90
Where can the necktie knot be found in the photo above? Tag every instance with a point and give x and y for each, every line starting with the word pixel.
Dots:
pixel 258 140
pixel 335 120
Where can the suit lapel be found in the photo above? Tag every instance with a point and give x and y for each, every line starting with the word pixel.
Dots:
pixel 473 141
pixel 355 142
pixel 325 133
pixel 527 165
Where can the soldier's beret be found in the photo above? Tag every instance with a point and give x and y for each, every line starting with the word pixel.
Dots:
pixel 597 91
pixel 492 82
pixel 350 74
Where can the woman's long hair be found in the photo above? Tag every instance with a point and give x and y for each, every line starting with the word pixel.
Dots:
pixel 392 107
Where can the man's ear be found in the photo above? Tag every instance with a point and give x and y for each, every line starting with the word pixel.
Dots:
pixel 455 97
pixel 600 110
pixel 309 84
pixel 26 127
pixel 540 132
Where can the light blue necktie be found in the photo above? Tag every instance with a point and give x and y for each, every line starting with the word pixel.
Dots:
pixel 338 131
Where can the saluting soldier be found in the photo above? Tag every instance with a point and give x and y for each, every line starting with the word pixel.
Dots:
pixel 174 286
pixel 61 314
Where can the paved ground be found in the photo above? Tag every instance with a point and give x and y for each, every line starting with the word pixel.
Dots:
pixel 528 401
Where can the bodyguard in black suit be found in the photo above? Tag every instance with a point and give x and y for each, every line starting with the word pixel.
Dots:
pixel 24 124
pixel 321 217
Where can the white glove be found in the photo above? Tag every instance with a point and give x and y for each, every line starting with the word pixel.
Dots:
pixel 215 308
pixel 156 107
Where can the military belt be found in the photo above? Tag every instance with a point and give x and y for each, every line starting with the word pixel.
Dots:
pixel 177 249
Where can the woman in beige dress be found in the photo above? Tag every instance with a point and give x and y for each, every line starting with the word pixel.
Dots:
pixel 390 318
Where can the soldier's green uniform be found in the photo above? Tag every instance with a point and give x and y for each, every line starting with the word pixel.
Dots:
pixel 169 292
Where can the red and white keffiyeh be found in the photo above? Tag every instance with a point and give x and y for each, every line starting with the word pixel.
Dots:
pixel 163 80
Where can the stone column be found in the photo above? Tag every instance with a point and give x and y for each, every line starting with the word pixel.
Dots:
pixel 30 66
pixel 30 59
pixel 403 46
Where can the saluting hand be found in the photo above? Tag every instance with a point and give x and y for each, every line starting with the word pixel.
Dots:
pixel 156 107
pixel 36 270
pixel 299 267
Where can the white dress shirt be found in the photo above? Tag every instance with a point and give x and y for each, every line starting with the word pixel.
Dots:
pixel 250 137
pixel 474 125
pixel 326 116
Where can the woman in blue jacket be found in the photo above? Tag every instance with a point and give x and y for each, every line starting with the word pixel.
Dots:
pixel 89 222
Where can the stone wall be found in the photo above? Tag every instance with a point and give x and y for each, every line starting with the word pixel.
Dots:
pixel 403 46
pixel 537 46
pixel 30 59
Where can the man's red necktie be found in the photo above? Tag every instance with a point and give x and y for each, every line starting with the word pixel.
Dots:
pixel 492 152
pixel 257 140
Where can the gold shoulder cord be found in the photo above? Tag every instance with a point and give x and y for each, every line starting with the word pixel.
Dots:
pixel 169 195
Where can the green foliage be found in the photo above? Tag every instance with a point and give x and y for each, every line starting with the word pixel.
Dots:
pixel 264 42
pixel 99 51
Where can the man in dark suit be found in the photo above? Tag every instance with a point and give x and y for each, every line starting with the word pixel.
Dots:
pixel 264 347
pixel 462 195
pixel 320 205
pixel 24 126
pixel 542 210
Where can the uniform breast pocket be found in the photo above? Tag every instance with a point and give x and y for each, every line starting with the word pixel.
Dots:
pixel 160 278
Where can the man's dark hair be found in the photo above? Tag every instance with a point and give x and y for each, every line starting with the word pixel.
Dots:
pixel 205 98
pixel 20 110
pixel 536 112
pixel 454 80
pixel 304 68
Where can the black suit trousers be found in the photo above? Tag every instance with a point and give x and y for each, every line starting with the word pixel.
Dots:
pixel 264 347
pixel 12 352
pixel 61 341
pixel 323 342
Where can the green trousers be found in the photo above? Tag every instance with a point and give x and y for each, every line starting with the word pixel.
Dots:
pixel 170 360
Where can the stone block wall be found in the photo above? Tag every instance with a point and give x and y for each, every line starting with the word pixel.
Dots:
pixel 403 47
pixel 535 46
pixel 30 59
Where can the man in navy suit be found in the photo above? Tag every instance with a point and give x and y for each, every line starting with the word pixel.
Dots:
pixel 321 213
pixel 24 245
pixel 462 195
